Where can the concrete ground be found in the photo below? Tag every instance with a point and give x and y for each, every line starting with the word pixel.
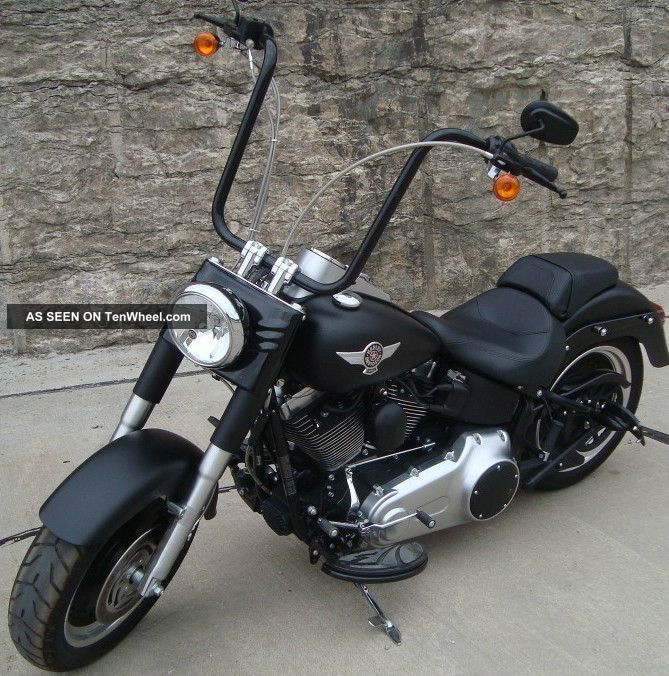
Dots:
pixel 569 582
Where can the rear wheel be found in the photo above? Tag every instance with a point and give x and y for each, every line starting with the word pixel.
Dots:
pixel 70 605
pixel 620 356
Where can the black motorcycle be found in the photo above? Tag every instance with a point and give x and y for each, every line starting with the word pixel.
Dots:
pixel 352 424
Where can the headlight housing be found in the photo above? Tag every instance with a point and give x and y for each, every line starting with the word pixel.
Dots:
pixel 221 342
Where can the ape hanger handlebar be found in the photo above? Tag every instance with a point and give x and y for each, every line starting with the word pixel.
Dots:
pixel 254 33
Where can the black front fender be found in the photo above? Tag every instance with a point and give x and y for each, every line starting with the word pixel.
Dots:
pixel 117 482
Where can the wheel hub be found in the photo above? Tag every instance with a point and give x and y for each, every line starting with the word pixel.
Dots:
pixel 119 593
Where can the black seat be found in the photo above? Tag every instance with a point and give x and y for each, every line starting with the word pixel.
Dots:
pixel 505 334
pixel 563 281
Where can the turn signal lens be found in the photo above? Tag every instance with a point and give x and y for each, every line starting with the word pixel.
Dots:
pixel 661 314
pixel 506 187
pixel 205 44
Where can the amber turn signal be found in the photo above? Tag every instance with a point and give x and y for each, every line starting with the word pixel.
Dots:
pixel 506 187
pixel 205 44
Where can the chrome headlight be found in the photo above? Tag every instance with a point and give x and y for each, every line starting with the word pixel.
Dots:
pixel 221 342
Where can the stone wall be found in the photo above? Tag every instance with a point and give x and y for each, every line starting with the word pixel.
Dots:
pixel 113 134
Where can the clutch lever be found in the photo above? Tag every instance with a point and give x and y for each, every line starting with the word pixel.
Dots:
pixel 220 23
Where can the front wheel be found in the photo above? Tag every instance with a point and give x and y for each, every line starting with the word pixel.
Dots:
pixel 70 605
pixel 620 356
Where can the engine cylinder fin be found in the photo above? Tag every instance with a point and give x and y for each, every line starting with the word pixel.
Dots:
pixel 330 445
pixel 414 411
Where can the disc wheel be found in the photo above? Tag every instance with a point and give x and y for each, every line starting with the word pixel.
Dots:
pixel 622 357
pixel 70 605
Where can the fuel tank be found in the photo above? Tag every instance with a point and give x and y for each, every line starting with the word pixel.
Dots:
pixel 338 349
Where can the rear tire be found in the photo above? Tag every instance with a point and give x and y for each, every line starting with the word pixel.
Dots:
pixel 622 354
pixel 70 605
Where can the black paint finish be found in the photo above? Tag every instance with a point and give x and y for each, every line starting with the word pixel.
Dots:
pixel 272 324
pixel 118 482
pixel 494 490
pixel 328 329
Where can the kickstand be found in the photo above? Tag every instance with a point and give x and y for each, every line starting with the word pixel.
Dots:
pixel 380 620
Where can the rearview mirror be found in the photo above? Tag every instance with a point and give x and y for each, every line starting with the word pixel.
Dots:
pixel 546 122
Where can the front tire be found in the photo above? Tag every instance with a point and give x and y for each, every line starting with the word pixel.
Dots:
pixel 70 605
pixel 622 356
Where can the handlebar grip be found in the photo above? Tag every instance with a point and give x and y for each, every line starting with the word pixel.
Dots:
pixel 548 171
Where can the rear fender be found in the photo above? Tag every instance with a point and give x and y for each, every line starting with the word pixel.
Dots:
pixel 644 327
pixel 118 482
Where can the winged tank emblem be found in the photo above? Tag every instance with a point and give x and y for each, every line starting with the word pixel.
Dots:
pixel 370 357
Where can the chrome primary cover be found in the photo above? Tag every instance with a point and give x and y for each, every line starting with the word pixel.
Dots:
pixel 473 480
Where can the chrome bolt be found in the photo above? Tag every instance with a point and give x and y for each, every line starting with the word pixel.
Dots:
pixel 158 589
pixel 566 348
pixel 414 472
pixel 650 320
pixel 476 492
pixel 477 439
pixel 330 494
pixel 540 393
pixel 331 477
pixel 502 436
pixel 311 510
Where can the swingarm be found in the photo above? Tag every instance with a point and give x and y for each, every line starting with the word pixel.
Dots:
pixel 595 415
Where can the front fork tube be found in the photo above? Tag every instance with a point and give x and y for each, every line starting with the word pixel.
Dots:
pixel 234 424
pixel 150 387
pixel 212 466
pixel 134 416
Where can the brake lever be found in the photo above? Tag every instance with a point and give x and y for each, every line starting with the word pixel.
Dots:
pixel 535 176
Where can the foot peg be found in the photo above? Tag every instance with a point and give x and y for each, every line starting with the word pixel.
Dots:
pixel 379 619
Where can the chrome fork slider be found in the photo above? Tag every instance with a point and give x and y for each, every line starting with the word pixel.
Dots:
pixel 213 464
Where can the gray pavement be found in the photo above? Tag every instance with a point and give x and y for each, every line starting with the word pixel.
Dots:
pixel 569 582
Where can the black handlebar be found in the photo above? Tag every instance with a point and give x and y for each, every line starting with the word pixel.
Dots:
pixel 242 30
pixel 506 157
pixel 547 171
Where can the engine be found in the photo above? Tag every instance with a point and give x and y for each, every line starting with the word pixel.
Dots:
pixel 467 473
pixel 333 430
